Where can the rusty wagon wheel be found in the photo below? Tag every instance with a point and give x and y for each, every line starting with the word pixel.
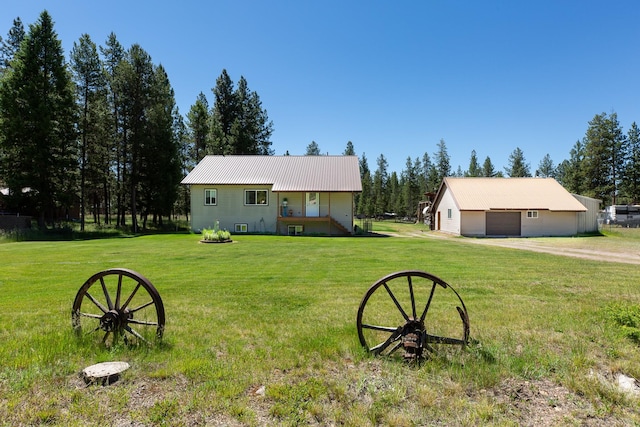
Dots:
pixel 407 312
pixel 119 304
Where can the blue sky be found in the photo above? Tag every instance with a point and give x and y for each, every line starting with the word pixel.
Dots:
pixel 393 77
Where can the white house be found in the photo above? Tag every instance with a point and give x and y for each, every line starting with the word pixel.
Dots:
pixel 275 194
pixel 508 207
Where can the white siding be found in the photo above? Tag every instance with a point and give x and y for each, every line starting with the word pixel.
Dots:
pixel 549 224
pixel 231 210
pixel 448 225
pixel 473 223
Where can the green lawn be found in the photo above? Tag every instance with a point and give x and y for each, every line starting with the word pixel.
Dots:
pixel 262 331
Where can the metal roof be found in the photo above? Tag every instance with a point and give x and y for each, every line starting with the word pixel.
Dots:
pixel 284 173
pixel 482 194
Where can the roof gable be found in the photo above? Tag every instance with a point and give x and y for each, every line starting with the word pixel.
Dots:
pixel 284 173
pixel 509 194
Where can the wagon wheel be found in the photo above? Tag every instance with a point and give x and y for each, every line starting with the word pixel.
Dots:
pixel 411 311
pixel 123 305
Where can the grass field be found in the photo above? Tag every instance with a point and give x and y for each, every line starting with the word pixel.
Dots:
pixel 262 331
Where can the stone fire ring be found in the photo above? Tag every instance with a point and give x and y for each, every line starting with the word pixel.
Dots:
pixel 104 373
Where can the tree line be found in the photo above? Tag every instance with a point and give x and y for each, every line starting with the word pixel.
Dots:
pixel 604 164
pixel 103 132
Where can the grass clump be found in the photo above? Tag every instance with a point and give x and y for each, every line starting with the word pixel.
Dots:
pixel 626 318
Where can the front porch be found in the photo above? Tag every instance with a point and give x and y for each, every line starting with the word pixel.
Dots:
pixel 298 225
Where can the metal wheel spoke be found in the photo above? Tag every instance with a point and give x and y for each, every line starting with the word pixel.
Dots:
pixel 134 333
pixel 106 294
pixel 119 291
pixel 434 339
pixel 130 297
pixel 426 308
pixel 380 328
pixel 140 307
pixel 90 315
pixel 395 301
pixel 142 322
pixel 413 299
pixel 395 347
pixel 380 347
pixel 96 302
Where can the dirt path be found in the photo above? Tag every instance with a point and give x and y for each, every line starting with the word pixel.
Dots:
pixel 581 247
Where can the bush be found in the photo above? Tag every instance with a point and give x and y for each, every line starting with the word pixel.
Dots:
pixel 212 235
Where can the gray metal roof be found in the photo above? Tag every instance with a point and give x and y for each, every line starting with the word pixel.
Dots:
pixel 284 173
pixel 510 193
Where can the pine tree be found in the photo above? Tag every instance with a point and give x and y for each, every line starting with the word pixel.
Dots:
pixel 380 178
pixel 546 169
pixel 312 149
pixel 37 116
pixel 570 173
pixel 91 90
pixel 605 151
pixel 518 167
pixel 11 44
pixel 631 182
pixel 488 170
pixel 474 167
pixel 198 124
pixel 349 150
pixel 443 164
pixel 114 61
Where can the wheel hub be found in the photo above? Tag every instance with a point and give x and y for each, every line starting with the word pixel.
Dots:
pixel 114 320
pixel 413 339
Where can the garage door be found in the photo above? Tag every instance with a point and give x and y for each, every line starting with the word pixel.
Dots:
pixel 503 223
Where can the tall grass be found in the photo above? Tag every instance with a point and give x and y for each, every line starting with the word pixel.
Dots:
pixel 262 331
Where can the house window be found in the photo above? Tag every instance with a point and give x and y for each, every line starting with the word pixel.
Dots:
pixel 255 197
pixel 241 228
pixel 295 230
pixel 210 197
pixel 532 214
pixel 449 214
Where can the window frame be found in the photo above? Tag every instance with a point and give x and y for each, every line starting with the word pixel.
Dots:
pixel 255 192
pixel 215 197
pixel 449 213
pixel 533 214
pixel 241 227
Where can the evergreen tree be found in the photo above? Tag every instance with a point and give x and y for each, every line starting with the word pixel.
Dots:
pixel 518 167
pixel 631 183
pixel 312 149
pixel 546 169
pixel 160 169
pixel 570 173
pixel 114 61
pixel 488 170
pixel 37 116
pixel 474 167
pixel 605 151
pixel 364 205
pixel 380 178
pixel 239 124
pixel 225 110
pixel 90 83
pixel 198 124
pixel 411 189
pixel 395 193
pixel 11 45
pixel 349 150
pixel 443 164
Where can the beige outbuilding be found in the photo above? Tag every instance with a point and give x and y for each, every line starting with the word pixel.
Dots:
pixel 523 207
